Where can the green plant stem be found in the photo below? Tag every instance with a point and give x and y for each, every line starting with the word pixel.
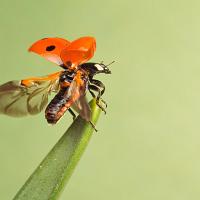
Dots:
pixel 50 177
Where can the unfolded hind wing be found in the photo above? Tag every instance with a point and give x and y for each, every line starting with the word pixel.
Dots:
pixel 18 100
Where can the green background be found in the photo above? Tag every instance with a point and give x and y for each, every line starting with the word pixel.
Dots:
pixel 148 144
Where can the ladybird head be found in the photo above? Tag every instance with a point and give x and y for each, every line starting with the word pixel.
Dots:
pixel 96 68
pixel 101 68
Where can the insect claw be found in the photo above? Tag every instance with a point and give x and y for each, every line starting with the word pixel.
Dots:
pixel 101 108
pixel 106 105
pixel 93 126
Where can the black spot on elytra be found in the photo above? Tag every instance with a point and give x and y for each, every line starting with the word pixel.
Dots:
pixel 50 48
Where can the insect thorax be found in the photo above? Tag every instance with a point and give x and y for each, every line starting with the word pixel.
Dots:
pixel 66 76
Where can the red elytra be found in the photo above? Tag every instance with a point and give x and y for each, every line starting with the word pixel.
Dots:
pixel 63 52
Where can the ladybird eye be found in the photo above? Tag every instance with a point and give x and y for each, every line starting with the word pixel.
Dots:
pixel 50 48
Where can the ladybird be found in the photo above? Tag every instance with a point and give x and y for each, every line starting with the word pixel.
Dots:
pixel 30 96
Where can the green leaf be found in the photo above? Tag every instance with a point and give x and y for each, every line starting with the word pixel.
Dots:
pixel 50 177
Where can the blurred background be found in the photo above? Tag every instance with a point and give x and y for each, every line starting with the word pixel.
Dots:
pixel 148 144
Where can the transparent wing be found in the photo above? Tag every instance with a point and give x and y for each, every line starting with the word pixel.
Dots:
pixel 82 107
pixel 17 100
pixel 77 92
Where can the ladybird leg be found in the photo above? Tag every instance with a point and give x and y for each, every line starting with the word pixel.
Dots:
pixel 100 85
pixel 92 93
pixel 93 126
pixel 97 89
pixel 104 102
pixel 32 81
pixel 94 96
pixel 72 113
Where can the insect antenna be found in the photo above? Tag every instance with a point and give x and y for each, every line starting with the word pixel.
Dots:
pixel 110 63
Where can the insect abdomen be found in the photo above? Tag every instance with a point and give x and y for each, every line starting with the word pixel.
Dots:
pixel 56 107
